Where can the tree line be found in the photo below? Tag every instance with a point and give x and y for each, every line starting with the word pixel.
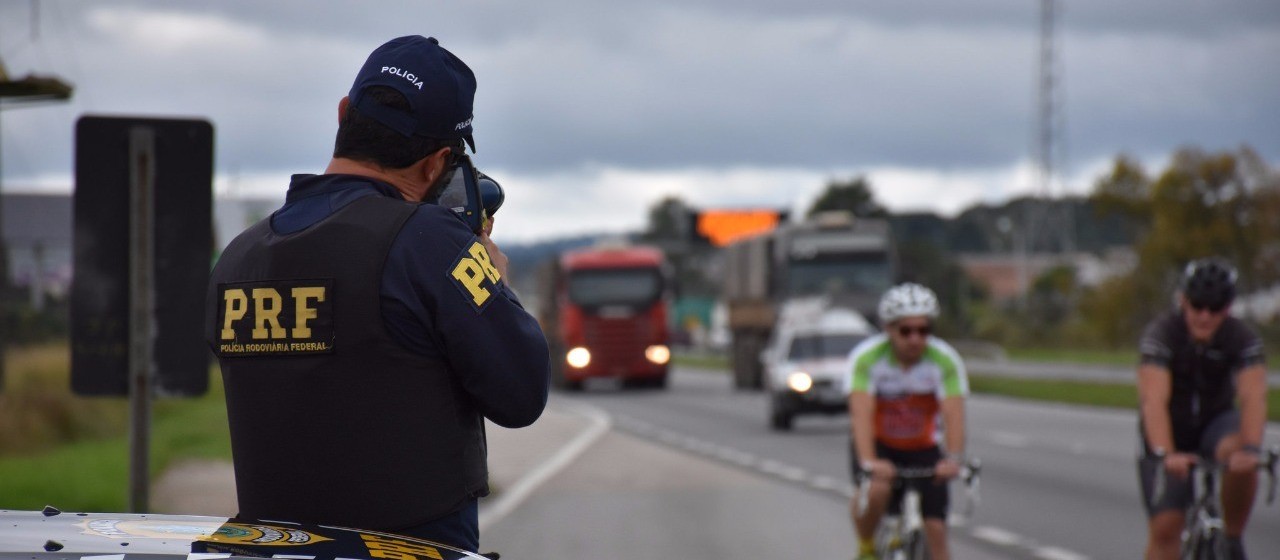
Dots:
pixel 1200 204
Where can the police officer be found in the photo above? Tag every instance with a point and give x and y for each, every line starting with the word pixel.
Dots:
pixel 364 335
pixel 1197 362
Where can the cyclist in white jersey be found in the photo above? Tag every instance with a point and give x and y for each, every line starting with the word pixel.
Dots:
pixel 902 383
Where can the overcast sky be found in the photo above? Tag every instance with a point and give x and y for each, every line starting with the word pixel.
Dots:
pixel 589 112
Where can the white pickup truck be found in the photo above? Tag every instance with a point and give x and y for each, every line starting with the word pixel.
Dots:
pixel 806 360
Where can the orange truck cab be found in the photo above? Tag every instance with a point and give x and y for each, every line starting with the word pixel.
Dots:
pixel 606 316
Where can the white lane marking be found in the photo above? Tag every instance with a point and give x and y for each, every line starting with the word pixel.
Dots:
pixel 1055 553
pixel 636 426
pixel 706 448
pixel 507 501
pixel 1009 439
pixel 996 535
pixel 783 470
pixel 104 557
pixel 731 455
pixel 824 483
pixel 691 444
pixel 791 473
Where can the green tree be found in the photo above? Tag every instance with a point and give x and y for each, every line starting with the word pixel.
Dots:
pixel 1053 297
pixel 854 195
pixel 668 219
pixel 1124 191
pixel 1203 204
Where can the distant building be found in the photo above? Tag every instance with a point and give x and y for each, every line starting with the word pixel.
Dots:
pixel 38 233
pixel 232 215
pixel 1002 274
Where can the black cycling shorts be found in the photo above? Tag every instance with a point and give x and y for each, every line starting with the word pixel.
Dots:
pixel 1178 492
pixel 934 496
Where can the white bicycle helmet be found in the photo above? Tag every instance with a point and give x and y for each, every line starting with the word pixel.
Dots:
pixel 907 300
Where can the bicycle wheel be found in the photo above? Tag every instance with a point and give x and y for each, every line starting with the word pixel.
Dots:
pixel 888 541
pixel 1204 545
pixel 915 547
pixel 1190 544
pixel 1216 547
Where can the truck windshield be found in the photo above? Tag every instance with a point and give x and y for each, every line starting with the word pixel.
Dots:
pixel 814 347
pixel 857 274
pixel 633 286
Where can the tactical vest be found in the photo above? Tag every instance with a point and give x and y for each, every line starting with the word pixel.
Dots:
pixel 332 421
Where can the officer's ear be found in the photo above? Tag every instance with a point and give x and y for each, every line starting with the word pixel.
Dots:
pixel 342 107
pixel 435 164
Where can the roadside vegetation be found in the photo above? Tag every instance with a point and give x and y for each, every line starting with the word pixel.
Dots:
pixel 73 452
pixel 1114 395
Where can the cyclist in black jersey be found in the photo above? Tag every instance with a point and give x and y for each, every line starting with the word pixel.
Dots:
pixel 1197 362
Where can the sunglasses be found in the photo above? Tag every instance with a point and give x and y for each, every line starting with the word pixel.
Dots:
pixel 1212 308
pixel 906 331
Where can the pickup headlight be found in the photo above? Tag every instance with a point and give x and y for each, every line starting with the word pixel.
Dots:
pixel 658 354
pixel 578 357
pixel 799 381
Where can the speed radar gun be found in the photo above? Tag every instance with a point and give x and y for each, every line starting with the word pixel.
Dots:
pixel 471 195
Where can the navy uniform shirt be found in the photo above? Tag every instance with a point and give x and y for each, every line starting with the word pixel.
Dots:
pixel 493 346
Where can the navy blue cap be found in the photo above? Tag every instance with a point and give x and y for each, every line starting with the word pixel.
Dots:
pixel 439 86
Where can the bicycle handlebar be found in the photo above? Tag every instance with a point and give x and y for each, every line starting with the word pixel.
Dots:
pixel 1266 463
pixel 970 473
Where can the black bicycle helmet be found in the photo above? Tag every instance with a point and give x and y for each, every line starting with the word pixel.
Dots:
pixel 1209 283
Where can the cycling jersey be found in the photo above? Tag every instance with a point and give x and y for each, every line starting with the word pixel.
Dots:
pixel 907 399
pixel 1202 374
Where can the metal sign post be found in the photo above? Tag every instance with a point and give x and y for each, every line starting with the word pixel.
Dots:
pixel 143 241
pixel 142 149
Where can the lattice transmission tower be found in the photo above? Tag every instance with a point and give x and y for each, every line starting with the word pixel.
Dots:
pixel 1043 228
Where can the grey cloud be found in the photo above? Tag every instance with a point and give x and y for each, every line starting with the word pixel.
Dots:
pixel 823 84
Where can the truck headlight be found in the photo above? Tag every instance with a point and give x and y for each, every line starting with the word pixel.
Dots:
pixel 658 354
pixel 799 382
pixel 578 357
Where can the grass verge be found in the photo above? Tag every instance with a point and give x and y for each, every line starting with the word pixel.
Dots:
pixel 1098 356
pixel 703 361
pixel 1125 357
pixel 93 475
pixel 85 467
pixel 1116 395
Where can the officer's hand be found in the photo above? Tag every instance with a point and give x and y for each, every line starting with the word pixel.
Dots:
pixel 1179 464
pixel 496 256
pixel 1242 462
pixel 947 468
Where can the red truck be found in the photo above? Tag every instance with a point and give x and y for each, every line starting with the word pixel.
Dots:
pixel 604 311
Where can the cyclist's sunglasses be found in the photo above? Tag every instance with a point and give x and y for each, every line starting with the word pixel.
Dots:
pixel 1212 307
pixel 906 331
